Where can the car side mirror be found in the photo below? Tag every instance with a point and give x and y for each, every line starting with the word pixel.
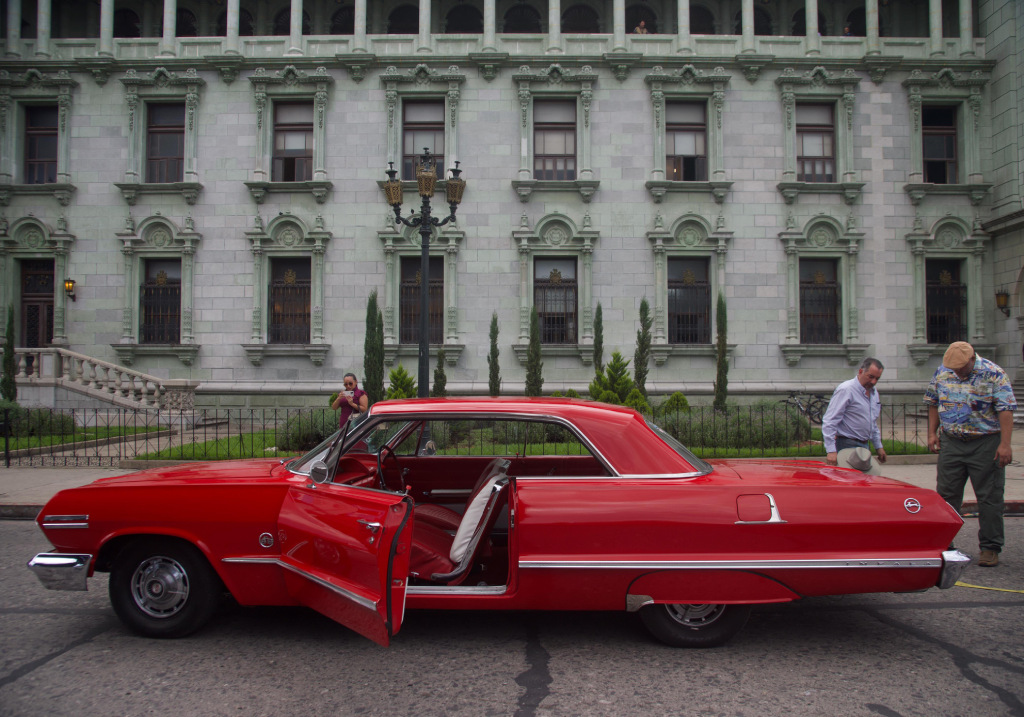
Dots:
pixel 318 472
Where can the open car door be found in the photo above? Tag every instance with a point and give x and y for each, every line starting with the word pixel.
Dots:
pixel 345 553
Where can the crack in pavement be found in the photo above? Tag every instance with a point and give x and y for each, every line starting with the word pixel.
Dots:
pixel 537 678
pixel 29 667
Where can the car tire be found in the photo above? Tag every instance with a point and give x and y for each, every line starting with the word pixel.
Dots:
pixel 683 625
pixel 163 588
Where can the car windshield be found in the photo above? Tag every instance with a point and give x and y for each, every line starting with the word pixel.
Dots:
pixel 302 464
pixel 699 463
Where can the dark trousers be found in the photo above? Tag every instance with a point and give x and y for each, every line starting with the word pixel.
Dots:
pixel 960 460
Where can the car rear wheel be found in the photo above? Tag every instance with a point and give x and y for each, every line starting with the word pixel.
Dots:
pixel 684 625
pixel 163 588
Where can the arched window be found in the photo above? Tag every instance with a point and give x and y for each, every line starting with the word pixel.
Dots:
pixel 799 27
pixel 127 23
pixel 581 18
pixel 522 18
pixel 635 14
pixel 464 19
pixel 404 20
pixel 245 24
pixel 185 25
pixel 283 23
pixel 702 22
pixel 343 22
pixel 762 22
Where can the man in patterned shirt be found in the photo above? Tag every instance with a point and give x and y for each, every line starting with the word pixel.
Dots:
pixel 971 400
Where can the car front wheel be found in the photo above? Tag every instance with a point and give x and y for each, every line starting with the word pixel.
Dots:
pixel 163 588
pixel 682 625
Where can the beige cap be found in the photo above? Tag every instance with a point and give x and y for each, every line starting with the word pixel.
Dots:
pixel 958 355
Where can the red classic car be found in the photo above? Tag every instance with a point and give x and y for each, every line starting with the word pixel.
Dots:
pixel 496 504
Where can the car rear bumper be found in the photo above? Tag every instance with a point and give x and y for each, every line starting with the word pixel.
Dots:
pixel 953 564
pixel 61 571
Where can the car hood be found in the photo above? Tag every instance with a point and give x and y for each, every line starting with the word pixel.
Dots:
pixel 211 472
pixel 793 472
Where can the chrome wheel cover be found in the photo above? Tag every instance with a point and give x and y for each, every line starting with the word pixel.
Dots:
pixel 159 586
pixel 694 616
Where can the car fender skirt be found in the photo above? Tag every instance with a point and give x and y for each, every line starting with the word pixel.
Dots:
pixel 705 586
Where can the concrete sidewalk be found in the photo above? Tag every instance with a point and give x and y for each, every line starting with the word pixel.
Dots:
pixel 24 491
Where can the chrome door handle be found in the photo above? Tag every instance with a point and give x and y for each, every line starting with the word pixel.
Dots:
pixel 370 525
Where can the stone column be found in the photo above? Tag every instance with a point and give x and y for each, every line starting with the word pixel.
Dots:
pixel 874 44
pixel 13 28
pixel 231 42
pixel 683 31
pixel 618 24
pixel 966 29
pixel 935 27
pixel 43 18
pixel 490 25
pixel 811 27
pixel 747 43
pixel 359 29
pixel 554 25
pixel 920 293
pixel 170 26
pixel 849 298
pixel 424 26
pixel 107 29
pixel 295 29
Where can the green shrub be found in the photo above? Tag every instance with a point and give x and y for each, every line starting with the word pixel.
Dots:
pixel 401 383
pixel 16 415
pixel 675 403
pixel 571 393
pixel 306 430
pixel 765 424
pixel 25 422
pixel 637 402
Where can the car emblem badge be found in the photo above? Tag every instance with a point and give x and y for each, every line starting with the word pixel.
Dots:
pixel 912 505
pixel 266 540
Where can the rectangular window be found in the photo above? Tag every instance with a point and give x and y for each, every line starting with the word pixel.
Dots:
pixel 160 300
pixel 293 142
pixel 289 300
pixel 689 302
pixel 938 127
pixel 555 295
pixel 422 128
pixel 41 145
pixel 410 299
pixel 819 302
pixel 815 143
pixel 165 143
pixel 554 139
pixel 945 301
pixel 686 142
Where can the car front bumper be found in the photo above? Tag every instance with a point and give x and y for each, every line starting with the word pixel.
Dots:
pixel 953 564
pixel 61 571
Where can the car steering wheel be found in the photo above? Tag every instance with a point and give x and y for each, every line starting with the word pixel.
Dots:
pixel 385 453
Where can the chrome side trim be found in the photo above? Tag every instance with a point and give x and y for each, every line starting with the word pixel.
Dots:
pixel 65 521
pixel 953 564
pixel 628 476
pixel 347 594
pixel 61 571
pixel 451 493
pixel 451 590
pixel 730 564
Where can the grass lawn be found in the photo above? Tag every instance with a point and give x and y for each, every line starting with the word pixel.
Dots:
pixel 261 444
pixel 79 435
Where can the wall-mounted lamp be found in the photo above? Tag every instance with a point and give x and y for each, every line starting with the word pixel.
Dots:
pixel 69 288
pixel 1003 301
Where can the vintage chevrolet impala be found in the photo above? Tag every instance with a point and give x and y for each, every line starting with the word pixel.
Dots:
pixel 496 504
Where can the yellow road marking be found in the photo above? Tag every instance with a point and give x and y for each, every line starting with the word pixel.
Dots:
pixel 982 587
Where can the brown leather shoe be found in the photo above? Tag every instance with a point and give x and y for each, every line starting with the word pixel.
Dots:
pixel 988 559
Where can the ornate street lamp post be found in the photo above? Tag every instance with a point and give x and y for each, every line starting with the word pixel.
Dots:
pixel 426 178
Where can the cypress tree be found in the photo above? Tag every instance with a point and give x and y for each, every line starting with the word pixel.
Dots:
pixel 373 351
pixel 439 390
pixel 598 339
pixel 722 360
pixel 493 372
pixel 8 388
pixel 534 379
pixel 643 348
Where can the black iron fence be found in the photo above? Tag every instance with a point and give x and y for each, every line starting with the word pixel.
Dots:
pixel 112 437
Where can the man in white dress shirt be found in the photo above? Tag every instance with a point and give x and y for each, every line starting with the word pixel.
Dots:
pixel 851 420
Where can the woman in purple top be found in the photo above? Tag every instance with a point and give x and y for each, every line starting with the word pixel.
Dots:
pixel 351 400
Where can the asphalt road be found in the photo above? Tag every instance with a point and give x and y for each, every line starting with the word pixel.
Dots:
pixel 953 652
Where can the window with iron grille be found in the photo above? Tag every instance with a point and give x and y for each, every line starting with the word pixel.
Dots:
pixel 165 142
pixel 41 144
pixel 938 129
pixel 555 295
pixel 160 302
pixel 945 301
pixel 289 300
pixel 293 142
pixel 422 127
pixel 409 301
pixel 689 301
pixel 819 302
pixel 686 142
pixel 815 142
pixel 554 139
pixel 37 287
